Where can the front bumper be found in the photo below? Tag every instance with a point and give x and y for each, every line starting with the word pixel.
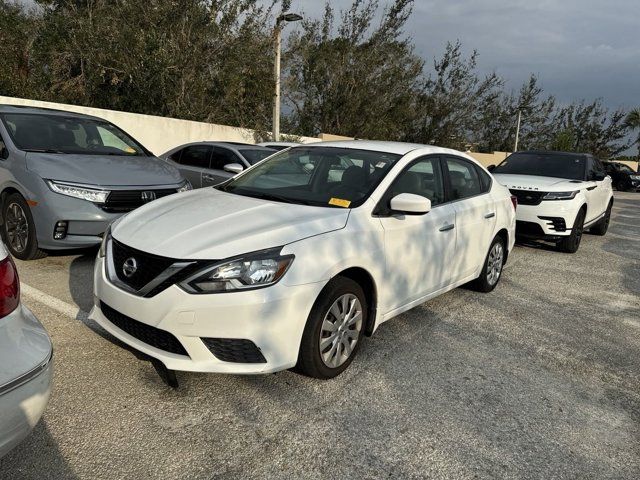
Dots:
pixel 550 220
pixel 272 318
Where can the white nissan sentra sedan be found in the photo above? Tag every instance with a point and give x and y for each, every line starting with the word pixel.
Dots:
pixel 25 361
pixel 293 261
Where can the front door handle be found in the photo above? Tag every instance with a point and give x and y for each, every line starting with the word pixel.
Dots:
pixel 490 215
pixel 208 178
pixel 446 228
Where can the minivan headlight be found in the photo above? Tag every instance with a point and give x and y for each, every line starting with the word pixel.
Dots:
pixel 252 271
pixel 83 192
pixel 560 195
pixel 186 186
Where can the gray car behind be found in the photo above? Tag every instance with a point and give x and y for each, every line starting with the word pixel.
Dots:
pixel 65 176
pixel 209 163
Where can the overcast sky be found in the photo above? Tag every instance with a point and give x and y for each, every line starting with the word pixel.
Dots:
pixel 578 48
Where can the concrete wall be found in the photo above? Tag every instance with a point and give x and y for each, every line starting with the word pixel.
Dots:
pixel 632 164
pixel 158 134
pixel 487 159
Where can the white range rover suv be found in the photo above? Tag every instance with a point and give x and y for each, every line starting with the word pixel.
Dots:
pixel 559 195
pixel 291 262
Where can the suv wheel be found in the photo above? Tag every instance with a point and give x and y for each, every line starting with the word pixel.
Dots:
pixel 492 269
pixel 18 229
pixel 334 330
pixel 602 226
pixel 571 243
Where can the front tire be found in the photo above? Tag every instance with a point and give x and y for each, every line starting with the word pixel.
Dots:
pixel 571 243
pixel 334 330
pixel 18 229
pixel 492 268
pixel 603 225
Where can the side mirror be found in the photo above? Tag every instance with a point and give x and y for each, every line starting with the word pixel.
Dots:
pixel 491 168
pixel 410 204
pixel 4 153
pixel 233 168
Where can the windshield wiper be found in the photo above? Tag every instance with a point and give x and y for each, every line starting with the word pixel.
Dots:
pixel 42 150
pixel 270 196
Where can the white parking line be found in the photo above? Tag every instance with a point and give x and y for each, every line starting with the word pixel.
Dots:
pixel 54 303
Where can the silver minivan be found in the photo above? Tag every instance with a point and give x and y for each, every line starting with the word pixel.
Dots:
pixel 64 177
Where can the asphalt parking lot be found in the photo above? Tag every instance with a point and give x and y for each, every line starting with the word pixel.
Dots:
pixel 539 379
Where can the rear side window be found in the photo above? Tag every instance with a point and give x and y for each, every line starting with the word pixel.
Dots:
pixel 196 156
pixel 464 178
pixel 485 179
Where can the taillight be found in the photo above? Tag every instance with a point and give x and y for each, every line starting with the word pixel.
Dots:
pixel 9 287
pixel 514 201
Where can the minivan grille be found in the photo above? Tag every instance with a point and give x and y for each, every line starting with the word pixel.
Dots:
pixel 120 201
pixel 528 197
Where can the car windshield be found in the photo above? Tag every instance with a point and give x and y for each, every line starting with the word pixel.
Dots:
pixel 544 165
pixel 320 176
pixel 253 156
pixel 74 135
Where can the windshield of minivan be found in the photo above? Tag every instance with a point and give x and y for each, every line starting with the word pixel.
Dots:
pixel 59 134
pixel 321 176
pixel 544 165
pixel 253 156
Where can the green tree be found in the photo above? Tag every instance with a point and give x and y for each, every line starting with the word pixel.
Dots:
pixel 632 121
pixel 352 79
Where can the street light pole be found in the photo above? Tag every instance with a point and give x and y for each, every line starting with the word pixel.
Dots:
pixel 515 147
pixel 285 17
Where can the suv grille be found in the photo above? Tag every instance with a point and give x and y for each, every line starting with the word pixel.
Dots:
pixel 152 336
pixel 528 197
pixel 148 266
pixel 126 200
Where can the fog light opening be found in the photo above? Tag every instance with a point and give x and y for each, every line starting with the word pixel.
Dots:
pixel 60 231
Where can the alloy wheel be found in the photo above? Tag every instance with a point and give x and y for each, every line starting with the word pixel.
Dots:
pixel 494 263
pixel 17 227
pixel 340 330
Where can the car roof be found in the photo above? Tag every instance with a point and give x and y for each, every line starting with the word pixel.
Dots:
pixel 551 152
pixel 4 108
pixel 398 148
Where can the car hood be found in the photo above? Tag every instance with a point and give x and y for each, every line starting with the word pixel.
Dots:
pixel 534 182
pixel 103 170
pixel 210 224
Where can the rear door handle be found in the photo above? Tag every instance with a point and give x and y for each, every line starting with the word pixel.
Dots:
pixel 446 228
pixel 490 215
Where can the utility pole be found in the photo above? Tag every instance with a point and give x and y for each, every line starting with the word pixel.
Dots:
pixel 285 17
pixel 515 147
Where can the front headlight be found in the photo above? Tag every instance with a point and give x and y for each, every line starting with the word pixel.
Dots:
pixel 635 177
pixel 186 186
pixel 560 195
pixel 83 192
pixel 252 271
pixel 103 246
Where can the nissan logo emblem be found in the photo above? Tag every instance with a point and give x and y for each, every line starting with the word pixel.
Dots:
pixel 129 267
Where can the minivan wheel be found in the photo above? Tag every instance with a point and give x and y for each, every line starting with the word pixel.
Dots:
pixel 571 243
pixel 492 268
pixel 334 330
pixel 18 229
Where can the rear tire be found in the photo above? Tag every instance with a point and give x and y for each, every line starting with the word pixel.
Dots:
pixel 602 226
pixel 571 243
pixel 18 229
pixel 492 268
pixel 331 336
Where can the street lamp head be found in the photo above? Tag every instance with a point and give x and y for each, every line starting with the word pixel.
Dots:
pixel 289 17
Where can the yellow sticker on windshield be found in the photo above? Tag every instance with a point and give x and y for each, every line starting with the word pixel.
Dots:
pixel 339 202
pixel 130 150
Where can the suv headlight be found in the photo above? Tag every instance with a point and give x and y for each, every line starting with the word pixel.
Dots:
pixel 244 273
pixel 634 177
pixel 560 195
pixel 83 192
pixel 185 187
